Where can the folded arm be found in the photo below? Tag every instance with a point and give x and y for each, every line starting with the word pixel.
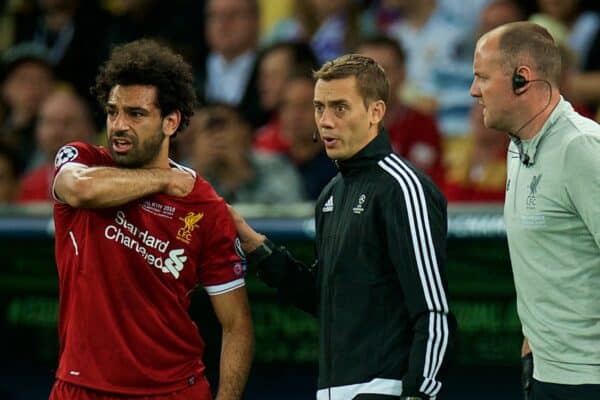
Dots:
pixel 99 187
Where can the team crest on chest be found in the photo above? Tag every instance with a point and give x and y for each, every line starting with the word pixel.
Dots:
pixel 533 187
pixel 190 223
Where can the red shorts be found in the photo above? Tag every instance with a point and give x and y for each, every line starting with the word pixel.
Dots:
pixel 66 391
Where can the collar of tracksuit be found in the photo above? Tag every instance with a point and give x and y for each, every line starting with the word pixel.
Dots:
pixel 374 151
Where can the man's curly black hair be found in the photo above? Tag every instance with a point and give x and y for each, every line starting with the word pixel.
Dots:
pixel 146 62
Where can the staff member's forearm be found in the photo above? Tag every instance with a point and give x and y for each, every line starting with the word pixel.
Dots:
pixel 100 187
pixel 236 358
pixel 525 347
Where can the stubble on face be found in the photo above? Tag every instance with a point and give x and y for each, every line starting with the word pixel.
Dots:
pixel 141 154
pixel 134 126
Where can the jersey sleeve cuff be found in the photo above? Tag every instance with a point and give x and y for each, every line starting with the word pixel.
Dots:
pixel 214 290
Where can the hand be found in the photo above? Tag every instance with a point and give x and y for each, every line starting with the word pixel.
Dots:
pixel 180 183
pixel 249 238
pixel 527 375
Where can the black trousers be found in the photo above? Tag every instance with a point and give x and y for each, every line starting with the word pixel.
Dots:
pixel 555 391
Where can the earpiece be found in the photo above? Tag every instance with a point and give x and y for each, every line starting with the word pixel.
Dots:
pixel 518 81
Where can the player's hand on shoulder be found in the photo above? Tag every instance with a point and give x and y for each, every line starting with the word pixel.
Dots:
pixel 180 183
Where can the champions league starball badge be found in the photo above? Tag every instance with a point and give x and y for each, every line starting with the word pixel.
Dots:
pixel 64 155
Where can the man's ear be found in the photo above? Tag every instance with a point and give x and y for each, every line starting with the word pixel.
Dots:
pixel 171 122
pixel 376 112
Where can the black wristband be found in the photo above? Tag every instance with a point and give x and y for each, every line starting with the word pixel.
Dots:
pixel 261 252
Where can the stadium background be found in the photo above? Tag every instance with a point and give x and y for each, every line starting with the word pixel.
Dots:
pixel 485 366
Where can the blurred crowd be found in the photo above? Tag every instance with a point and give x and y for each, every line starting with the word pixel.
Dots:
pixel 251 135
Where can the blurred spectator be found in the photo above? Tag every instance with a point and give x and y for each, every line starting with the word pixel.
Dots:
pixel 414 135
pixel 64 117
pixel 223 155
pixel 230 74
pixel 175 22
pixel 8 174
pixel 273 12
pixel 379 16
pixel 296 133
pixel 277 63
pixel 439 53
pixel 496 13
pixel 26 79
pixel 465 12
pixel 568 74
pixel 571 25
pixel 11 13
pixel 73 33
pixel 332 27
pixel 476 167
pixel 577 28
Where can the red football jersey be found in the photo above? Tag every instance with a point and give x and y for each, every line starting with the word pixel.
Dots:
pixel 126 274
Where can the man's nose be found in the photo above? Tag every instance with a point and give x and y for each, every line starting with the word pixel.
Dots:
pixel 325 120
pixel 474 90
pixel 118 123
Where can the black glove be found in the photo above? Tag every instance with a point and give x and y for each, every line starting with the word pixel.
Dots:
pixel 527 375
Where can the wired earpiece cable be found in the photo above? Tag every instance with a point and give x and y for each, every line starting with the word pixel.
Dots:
pixel 515 136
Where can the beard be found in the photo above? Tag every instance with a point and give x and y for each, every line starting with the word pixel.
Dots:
pixel 140 155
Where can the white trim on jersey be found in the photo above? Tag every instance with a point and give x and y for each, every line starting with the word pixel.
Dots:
pixel 76 248
pixel 214 290
pixel 433 290
pixel 183 167
pixel 392 387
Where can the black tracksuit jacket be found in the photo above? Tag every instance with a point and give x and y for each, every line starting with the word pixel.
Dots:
pixel 378 286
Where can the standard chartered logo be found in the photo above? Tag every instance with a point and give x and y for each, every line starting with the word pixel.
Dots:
pixel 174 263
pixel 146 245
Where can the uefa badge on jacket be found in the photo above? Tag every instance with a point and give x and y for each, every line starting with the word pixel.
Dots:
pixel 359 207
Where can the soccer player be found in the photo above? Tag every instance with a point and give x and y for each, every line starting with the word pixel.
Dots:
pixel 135 234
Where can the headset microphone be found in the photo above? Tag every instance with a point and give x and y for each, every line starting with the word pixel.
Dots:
pixel 523 157
pixel 518 81
pixel 315 136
